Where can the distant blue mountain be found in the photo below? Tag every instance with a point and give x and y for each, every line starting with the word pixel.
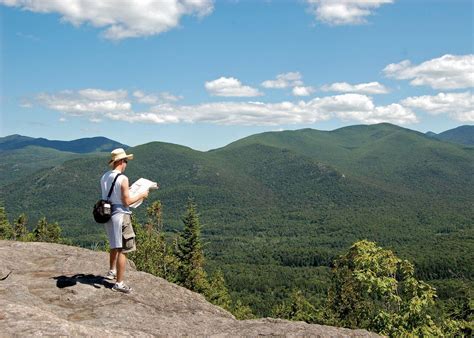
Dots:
pixel 81 146
pixel 462 135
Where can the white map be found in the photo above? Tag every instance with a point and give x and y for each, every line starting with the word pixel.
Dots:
pixel 140 186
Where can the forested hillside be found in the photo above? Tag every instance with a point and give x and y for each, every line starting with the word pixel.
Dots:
pixel 278 207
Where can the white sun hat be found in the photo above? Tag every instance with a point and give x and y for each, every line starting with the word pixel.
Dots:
pixel 119 154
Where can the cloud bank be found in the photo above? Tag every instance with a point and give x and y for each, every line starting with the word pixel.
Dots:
pixel 96 105
pixel 121 19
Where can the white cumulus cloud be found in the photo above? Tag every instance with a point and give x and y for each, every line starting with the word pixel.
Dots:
pixel 362 88
pixel 445 72
pixel 230 87
pixel 121 19
pixel 459 106
pixel 360 108
pixel 344 12
pixel 89 103
pixel 303 90
pixel 284 80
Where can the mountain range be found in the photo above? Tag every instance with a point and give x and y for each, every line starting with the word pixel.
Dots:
pixel 278 207
pixel 81 146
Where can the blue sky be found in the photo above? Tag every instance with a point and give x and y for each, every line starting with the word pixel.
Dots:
pixel 204 73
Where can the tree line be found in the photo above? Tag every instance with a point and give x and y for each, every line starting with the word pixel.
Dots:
pixel 43 232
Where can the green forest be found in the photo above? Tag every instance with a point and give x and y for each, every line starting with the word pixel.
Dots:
pixel 279 212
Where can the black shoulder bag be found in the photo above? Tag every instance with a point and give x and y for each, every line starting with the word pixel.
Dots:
pixel 103 208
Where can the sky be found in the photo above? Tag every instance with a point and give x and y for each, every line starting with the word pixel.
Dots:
pixel 204 73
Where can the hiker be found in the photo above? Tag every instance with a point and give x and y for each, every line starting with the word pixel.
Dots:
pixel 119 227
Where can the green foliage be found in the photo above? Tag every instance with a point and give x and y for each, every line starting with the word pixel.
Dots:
pixel 6 230
pixel 241 311
pixel 47 232
pixel 20 229
pixel 153 254
pixel 457 308
pixel 376 290
pixel 296 308
pixel 191 273
pixel 217 292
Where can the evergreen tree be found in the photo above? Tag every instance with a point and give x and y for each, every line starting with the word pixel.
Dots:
pixel 217 293
pixel 47 232
pixel 375 290
pixel 190 254
pixel 6 230
pixel 41 230
pixel 20 230
pixel 54 232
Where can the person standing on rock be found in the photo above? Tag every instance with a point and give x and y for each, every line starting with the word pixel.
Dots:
pixel 119 228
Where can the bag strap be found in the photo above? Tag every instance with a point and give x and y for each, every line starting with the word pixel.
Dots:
pixel 112 187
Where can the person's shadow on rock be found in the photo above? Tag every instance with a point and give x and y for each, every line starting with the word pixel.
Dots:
pixel 93 280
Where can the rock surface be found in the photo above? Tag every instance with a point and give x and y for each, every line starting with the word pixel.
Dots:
pixel 51 289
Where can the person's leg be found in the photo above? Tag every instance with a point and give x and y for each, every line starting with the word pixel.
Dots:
pixel 113 253
pixel 121 264
pixel 113 259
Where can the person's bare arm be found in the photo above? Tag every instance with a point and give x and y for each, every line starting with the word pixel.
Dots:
pixel 126 198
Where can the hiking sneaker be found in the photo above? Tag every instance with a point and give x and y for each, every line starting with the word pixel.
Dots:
pixel 121 287
pixel 110 275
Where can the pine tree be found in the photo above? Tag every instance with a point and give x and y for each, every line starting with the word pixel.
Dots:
pixel 190 254
pixel 20 230
pixel 6 230
pixel 41 230
pixel 54 232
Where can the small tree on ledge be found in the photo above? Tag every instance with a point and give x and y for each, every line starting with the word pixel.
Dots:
pixel 375 290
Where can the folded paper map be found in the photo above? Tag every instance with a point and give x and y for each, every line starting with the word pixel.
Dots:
pixel 140 186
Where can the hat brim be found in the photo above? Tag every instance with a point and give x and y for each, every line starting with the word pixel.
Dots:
pixel 122 157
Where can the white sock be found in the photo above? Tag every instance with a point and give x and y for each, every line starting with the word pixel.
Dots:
pixel 120 284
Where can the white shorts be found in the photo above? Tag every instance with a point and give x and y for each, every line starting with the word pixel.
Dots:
pixel 114 230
